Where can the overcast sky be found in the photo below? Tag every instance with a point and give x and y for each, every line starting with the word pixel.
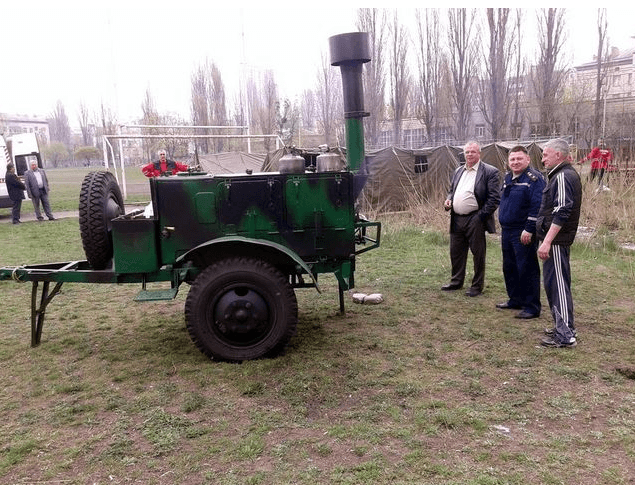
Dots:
pixel 112 52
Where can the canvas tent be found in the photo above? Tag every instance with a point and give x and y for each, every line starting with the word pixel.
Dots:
pixel 496 154
pixel 399 178
pixel 231 162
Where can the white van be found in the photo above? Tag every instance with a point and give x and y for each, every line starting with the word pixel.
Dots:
pixel 20 149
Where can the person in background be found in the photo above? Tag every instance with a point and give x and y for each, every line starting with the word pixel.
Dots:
pixel 163 166
pixel 600 158
pixel 16 189
pixel 37 186
pixel 473 198
pixel 521 195
pixel 556 228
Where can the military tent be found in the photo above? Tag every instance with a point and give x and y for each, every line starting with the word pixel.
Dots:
pixel 398 178
pixel 231 162
pixel 496 153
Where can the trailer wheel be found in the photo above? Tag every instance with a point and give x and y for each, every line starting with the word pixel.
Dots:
pixel 241 309
pixel 100 201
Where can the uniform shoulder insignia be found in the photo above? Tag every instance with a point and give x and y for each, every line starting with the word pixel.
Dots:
pixel 532 176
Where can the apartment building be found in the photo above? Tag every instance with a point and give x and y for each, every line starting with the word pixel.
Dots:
pixel 11 124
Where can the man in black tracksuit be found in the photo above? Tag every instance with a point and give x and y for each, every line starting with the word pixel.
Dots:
pixel 556 229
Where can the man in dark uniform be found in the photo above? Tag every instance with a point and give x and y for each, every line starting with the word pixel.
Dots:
pixel 556 229
pixel 473 198
pixel 521 195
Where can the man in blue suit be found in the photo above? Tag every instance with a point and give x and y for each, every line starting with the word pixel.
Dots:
pixel 472 199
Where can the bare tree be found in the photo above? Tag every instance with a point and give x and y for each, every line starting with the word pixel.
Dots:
pixel 238 114
pixel 150 117
pixel 548 75
pixel 217 103
pixel 399 75
pixel 59 128
pixel 462 42
pixel 601 74
pixel 431 58
pixel 574 106
pixel 263 99
pixel 518 81
pixel 373 21
pixel 308 109
pixel 108 126
pixel 329 101
pixel 494 94
pixel 208 103
pixel 84 119
pixel 199 97
pixel 108 120
pixel 176 147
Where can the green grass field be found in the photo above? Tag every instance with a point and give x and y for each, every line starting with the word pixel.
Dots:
pixel 425 388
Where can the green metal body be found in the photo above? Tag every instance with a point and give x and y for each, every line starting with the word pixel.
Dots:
pixel 304 224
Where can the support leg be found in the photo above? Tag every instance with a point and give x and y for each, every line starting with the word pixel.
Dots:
pixel 341 293
pixel 37 314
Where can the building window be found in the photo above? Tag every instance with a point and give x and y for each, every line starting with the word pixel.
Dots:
pixel 385 138
pixel 516 131
pixel 535 129
pixel 407 138
pixel 421 163
pixel 419 137
pixel 480 131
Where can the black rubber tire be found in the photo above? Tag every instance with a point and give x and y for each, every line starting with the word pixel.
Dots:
pixel 100 201
pixel 241 309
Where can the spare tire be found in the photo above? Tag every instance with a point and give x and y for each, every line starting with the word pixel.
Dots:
pixel 100 201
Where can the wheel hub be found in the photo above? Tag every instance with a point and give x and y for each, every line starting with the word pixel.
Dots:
pixel 241 316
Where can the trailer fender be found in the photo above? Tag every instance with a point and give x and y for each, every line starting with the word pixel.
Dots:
pixel 246 245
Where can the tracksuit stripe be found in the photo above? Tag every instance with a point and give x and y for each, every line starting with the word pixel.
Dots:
pixel 560 283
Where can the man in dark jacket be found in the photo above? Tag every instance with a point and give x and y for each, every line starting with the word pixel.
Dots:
pixel 16 189
pixel 556 228
pixel 521 195
pixel 473 198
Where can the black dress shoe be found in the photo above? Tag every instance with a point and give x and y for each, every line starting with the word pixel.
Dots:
pixel 507 306
pixel 473 292
pixel 525 315
pixel 450 287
